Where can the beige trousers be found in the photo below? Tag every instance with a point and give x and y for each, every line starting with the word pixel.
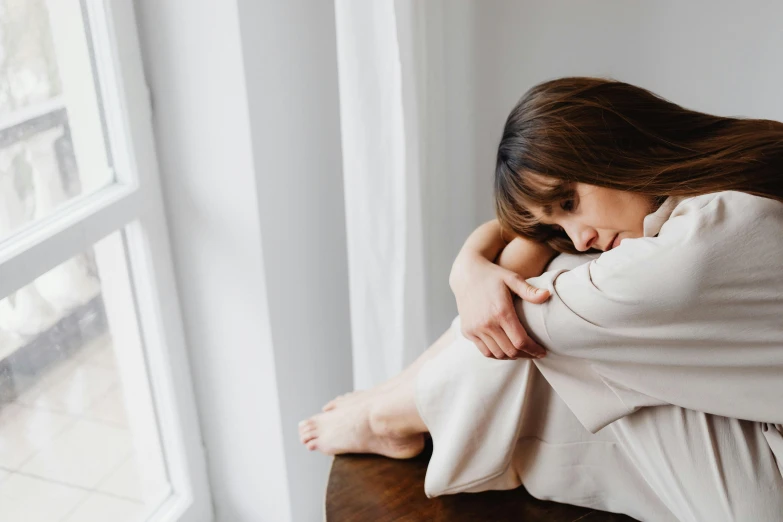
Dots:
pixel 499 424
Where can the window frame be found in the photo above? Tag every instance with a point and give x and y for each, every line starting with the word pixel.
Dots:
pixel 134 205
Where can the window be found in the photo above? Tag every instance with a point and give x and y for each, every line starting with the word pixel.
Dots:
pixel 93 406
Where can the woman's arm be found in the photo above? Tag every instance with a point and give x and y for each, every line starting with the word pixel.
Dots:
pixel 483 290
pixel 522 256
pixel 690 317
pixel 486 241
pixel 525 257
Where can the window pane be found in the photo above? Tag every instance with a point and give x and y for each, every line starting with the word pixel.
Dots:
pixel 52 145
pixel 79 439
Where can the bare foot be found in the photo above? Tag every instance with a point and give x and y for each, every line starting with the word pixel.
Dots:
pixel 359 395
pixel 340 399
pixel 346 428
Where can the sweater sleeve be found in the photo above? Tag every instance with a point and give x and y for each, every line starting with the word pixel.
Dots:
pixel 693 317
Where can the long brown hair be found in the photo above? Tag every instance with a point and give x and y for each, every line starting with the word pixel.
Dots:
pixel 616 135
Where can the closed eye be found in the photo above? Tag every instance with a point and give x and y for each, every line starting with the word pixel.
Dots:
pixel 570 201
pixel 568 205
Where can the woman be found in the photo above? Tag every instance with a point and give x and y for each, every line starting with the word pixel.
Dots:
pixel 660 394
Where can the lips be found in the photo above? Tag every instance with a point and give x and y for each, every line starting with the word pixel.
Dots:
pixel 613 243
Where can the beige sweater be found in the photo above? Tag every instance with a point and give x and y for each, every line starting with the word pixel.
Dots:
pixel 691 314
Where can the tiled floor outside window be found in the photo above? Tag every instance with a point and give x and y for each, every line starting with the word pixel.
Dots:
pixel 66 450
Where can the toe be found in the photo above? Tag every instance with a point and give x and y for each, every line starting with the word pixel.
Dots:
pixel 329 406
pixel 306 428
pixel 312 445
pixel 308 436
pixel 308 431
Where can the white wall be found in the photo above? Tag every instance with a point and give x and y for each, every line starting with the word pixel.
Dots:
pixel 717 56
pixel 246 119
pixel 290 58
pixel 720 56
pixel 449 178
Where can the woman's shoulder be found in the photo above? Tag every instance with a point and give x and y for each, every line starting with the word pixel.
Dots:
pixel 714 213
pixel 728 206
pixel 716 219
pixel 707 241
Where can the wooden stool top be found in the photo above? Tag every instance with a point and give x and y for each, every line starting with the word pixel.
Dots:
pixel 370 488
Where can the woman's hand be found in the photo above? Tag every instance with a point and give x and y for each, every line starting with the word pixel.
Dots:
pixel 483 291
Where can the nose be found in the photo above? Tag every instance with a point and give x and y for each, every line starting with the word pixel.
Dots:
pixel 584 238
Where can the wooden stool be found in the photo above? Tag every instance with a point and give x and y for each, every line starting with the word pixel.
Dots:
pixel 369 488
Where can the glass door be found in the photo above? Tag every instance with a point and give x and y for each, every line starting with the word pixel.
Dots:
pixel 97 418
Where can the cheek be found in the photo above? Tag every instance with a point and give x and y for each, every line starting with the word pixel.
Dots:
pixel 620 214
pixel 614 211
pixel 635 215
pixel 610 215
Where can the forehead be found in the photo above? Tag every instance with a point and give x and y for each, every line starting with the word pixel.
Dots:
pixel 541 195
pixel 547 190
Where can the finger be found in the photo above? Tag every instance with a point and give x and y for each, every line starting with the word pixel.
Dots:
pixel 529 293
pixel 519 338
pixel 497 353
pixel 515 332
pixel 501 339
pixel 480 345
pixel 531 347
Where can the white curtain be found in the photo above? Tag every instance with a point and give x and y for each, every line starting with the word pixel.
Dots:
pixel 379 46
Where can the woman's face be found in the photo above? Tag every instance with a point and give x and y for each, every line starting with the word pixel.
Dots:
pixel 597 217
